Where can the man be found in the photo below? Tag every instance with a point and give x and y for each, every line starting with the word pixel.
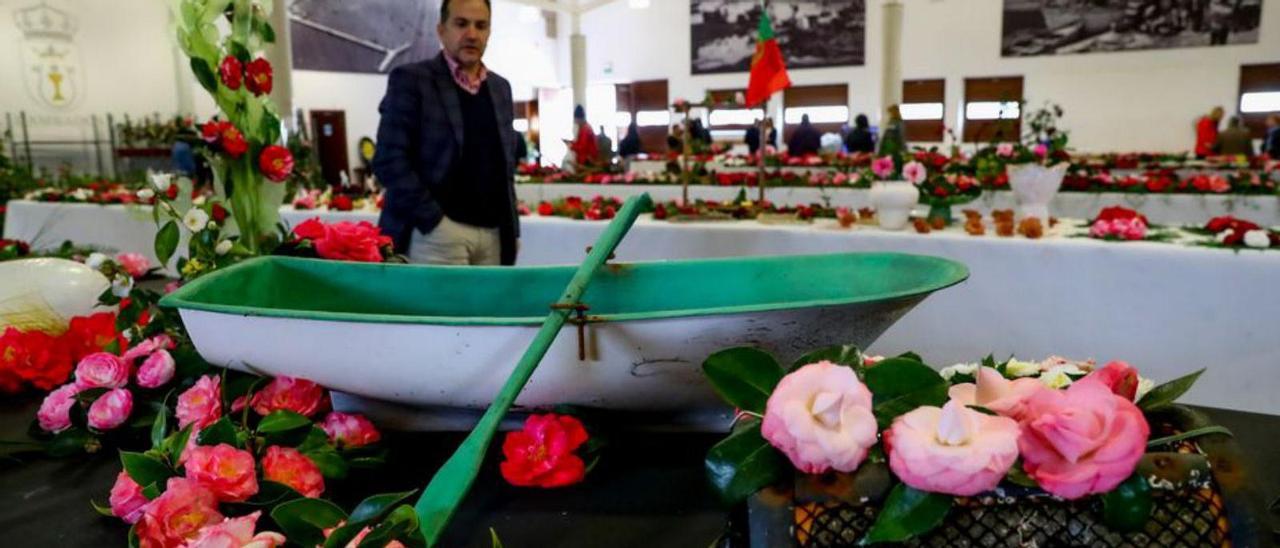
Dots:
pixel 605 145
pixel 446 150
pixel 893 137
pixel 1207 133
pixel 806 139
pixel 1236 140
pixel 1271 144
pixel 585 147
pixel 752 136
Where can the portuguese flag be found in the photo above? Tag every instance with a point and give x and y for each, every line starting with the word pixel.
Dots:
pixel 768 69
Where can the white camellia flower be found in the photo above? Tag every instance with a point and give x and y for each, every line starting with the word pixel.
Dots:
pixel 213 225
pixel 199 200
pixel 1019 368
pixel 95 260
pixel 1222 236
pixel 146 194
pixel 121 286
pixel 1257 238
pixel 959 369
pixel 161 180
pixel 82 194
pixel 223 247
pixel 195 219
pixel 1144 385
pixel 1059 377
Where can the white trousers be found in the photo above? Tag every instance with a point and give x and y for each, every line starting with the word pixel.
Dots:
pixel 454 243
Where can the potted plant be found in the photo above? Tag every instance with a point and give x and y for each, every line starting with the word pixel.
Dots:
pixel 1037 165
pixel 894 193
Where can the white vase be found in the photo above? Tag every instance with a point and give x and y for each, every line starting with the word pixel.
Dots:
pixel 1034 186
pixel 893 201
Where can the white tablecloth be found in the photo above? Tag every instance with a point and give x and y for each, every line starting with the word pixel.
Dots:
pixel 1167 309
pixel 1162 209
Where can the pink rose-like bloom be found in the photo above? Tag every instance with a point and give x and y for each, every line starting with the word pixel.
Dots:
pixel 992 391
pixel 820 417
pixel 127 500
pixel 914 172
pixel 135 264
pixel 101 370
pixel 1136 229
pixel 157 370
pixel 1082 440
pixel 1100 229
pixel 55 411
pixel 1219 184
pixel 177 515
pixel 111 409
pixel 1004 149
pixel 952 450
pixel 288 466
pixel 236 533
pixel 201 404
pixel 298 395
pixel 350 430
pixel 171 287
pixel 840 178
pixel 882 167
pixel 355 541
pixel 147 347
pixel 225 471
pixel 1041 150
pixel 1119 377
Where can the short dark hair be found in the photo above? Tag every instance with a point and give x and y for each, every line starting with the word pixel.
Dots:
pixel 444 10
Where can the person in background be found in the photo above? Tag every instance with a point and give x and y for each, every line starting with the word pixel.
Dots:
pixel 699 133
pixel 860 138
pixel 450 185
pixel 605 145
pixel 1236 140
pixel 893 139
pixel 675 139
pixel 630 144
pixel 806 139
pixel 1207 133
pixel 752 139
pixel 1271 144
pixel 522 149
pixel 586 149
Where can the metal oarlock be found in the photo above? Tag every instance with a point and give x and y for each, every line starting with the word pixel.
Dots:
pixel 579 319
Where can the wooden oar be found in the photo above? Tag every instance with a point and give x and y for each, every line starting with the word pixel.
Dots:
pixel 450 484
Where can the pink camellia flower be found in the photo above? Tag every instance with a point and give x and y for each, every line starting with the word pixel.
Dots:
pixel 298 395
pixel 1041 150
pixel 356 540
pixel 55 411
pixel 883 167
pixel 156 370
pixel 820 417
pixel 1004 149
pixel 1118 376
pixel 101 370
pixel 147 347
pixel 225 471
pixel 953 450
pixel 201 404
pixel 177 515
pixel 136 264
pixel 286 465
pixel 914 172
pixel 994 392
pixel 127 500
pixel 1219 184
pixel 110 410
pixel 840 178
pixel 1082 440
pixel 1135 229
pixel 236 533
pixel 350 430
pixel 1100 229
pixel 172 286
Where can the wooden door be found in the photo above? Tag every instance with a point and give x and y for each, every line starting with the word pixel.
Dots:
pixel 330 130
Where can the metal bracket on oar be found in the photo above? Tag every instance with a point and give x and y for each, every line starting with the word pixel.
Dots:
pixel 451 482
pixel 612 256
pixel 580 320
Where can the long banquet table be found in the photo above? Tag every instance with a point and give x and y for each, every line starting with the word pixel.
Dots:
pixel 1167 309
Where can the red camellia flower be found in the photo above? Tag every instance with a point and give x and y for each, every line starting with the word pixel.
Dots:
pixel 218 213
pixel 276 162
pixel 310 229
pixel 1159 183
pixel 344 241
pixel 211 131
pixel 1227 222
pixel 341 202
pixel 258 74
pixel 171 192
pixel 546 209
pixel 233 141
pixel 35 357
pixel 542 454
pixel 1121 378
pixel 89 334
pixel 660 212
pixel 287 393
pixel 1120 213
pixel 288 466
pixel 940 191
pixel 232 71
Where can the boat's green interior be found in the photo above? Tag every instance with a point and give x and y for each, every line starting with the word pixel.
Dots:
pixel 362 292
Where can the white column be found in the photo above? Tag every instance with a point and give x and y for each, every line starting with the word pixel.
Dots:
pixel 891 51
pixel 280 54
pixel 578 61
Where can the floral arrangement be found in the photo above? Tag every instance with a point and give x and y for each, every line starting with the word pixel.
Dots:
pixel 1231 232
pixel 153 132
pixel 1067 428
pixel 1119 224
pixel 340 241
pixel 13 249
pixel 1042 143
pixel 95 192
pixel 306 200
pixel 43 360
pixel 574 207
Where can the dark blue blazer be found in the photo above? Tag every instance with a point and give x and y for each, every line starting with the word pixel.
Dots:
pixel 420 136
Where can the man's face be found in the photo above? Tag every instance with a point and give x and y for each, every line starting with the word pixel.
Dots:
pixel 1216 114
pixel 466 32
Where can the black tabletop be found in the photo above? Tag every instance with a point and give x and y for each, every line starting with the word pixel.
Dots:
pixel 648 490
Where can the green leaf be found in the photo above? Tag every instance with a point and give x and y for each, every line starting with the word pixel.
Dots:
pixel 160 428
pixel 1168 392
pixel 934 395
pixel 330 463
pixel 282 421
pixel 177 443
pixel 844 355
pixel 910 356
pixel 1215 429
pixel 219 432
pixel 373 507
pixel 133 536
pixel 100 509
pixel 743 376
pixel 340 537
pixel 68 442
pixel 1127 507
pixel 744 463
pixel 167 240
pixel 401 524
pixel 908 512
pixel 271 494
pixel 268 33
pixel 304 520
pixel 895 377
pixel 1018 476
pixel 144 469
pixel 270 127
pixel 494 541
pixel 151 491
pixel 89 395
pixel 204 74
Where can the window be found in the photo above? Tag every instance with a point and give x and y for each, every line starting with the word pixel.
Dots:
pixel 827 107
pixel 1259 95
pixel 923 109
pixel 645 102
pixel 730 121
pixel 992 109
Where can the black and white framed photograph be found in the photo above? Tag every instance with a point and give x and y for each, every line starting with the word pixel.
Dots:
pixel 811 33
pixel 370 36
pixel 1062 27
